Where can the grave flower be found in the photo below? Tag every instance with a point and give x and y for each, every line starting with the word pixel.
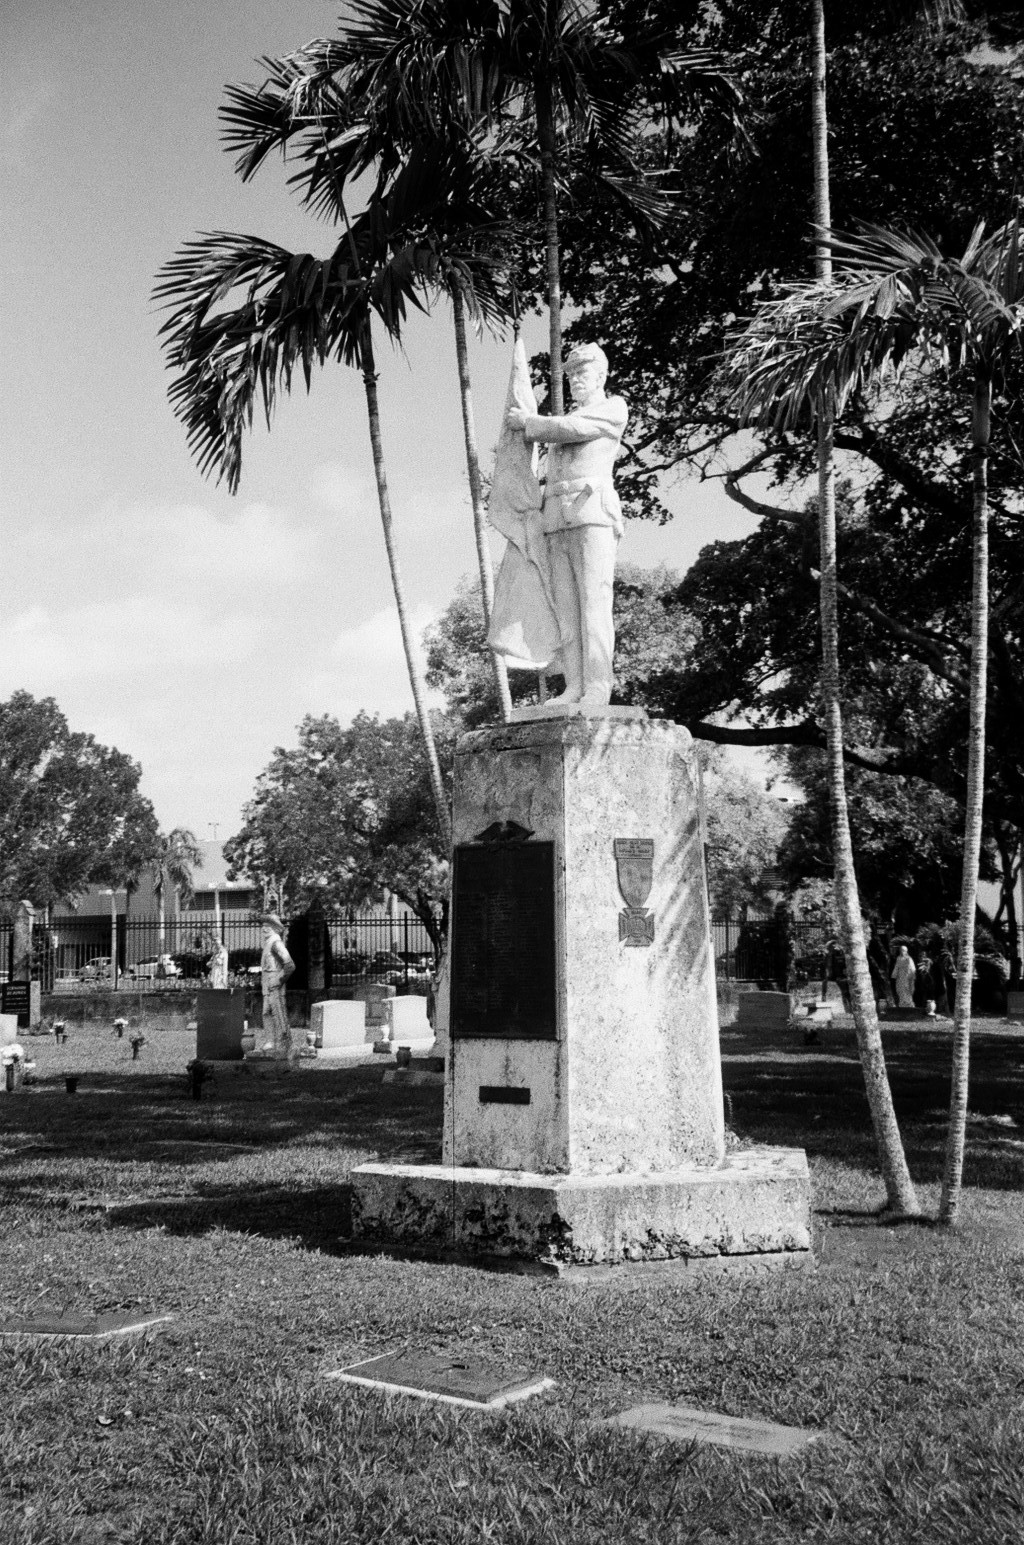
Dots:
pixel 14 1064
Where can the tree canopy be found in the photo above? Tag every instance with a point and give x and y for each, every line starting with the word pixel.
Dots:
pixel 71 814
pixel 346 814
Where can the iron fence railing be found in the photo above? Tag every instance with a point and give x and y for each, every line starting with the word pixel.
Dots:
pixel 75 950
pixel 141 952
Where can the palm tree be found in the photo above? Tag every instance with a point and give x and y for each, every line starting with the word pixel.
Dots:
pixel 901 1196
pixel 808 351
pixel 299 99
pixel 538 77
pixel 178 854
pixel 294 311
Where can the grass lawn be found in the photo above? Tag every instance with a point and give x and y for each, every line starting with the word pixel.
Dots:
pixel 906 1345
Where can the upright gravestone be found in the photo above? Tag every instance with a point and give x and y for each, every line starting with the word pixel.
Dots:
pixel 379 998
pixel 583 1116
pixel 220 1023
pixel 28 1006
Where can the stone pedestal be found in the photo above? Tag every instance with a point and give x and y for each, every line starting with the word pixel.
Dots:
pixel 583 1114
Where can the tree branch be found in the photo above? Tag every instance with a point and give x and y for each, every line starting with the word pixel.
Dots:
pixel 805 733
pixel 928 642
pixel 755 506
pixel 873 447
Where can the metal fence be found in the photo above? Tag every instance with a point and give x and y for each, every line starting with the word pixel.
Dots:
pixel 140 952
pixel 75 951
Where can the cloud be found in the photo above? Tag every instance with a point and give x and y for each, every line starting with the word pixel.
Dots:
pixel 118 643
pixel 339 487
pixel 366 668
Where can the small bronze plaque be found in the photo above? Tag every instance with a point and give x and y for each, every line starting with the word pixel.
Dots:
pixel 503 1094
pixel 634 864
pixel 460 1379
pixel 503 941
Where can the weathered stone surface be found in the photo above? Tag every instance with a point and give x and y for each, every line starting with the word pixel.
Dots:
pixel 632 1084
pixel 1015 1006
pixel 686 1424
pixel 756 1201
pixel 340 1026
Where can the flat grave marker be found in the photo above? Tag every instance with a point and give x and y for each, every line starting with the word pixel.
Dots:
pixel 81 1327
pixel 686 1424
pixel 455 1378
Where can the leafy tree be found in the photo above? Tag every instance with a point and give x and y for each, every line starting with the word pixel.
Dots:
pixel 907 836
pixel 745 829
pixel 346 814
pixel 71 814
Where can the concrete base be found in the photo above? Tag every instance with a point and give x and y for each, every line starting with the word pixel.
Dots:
pixel 757 1202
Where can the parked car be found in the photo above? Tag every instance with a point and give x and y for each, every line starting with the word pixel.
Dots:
pixel 95 970
pixel 153 968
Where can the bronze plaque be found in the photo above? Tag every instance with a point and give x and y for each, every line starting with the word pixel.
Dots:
pixel 634 864
pixel 503 941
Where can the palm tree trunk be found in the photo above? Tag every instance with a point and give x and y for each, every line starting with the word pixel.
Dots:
pixel 408 643
pixel 902 1198
pixel 476 495
pixel 548 160
pixel 952 1175
pixel 899 1187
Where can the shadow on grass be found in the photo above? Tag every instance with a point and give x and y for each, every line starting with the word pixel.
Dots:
pixel 314 1218
pixel 813 1097
pixel 127 1117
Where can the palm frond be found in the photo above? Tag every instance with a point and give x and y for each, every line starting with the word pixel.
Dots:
pixel 294 310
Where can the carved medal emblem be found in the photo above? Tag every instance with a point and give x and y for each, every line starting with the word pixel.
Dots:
pixel 634 864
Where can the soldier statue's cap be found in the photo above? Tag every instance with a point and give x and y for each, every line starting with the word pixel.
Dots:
pixel 274 921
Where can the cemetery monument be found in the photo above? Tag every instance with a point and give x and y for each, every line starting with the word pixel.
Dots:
pixel 583 1116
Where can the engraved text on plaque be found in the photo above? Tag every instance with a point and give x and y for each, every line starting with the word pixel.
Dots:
pixel 503 941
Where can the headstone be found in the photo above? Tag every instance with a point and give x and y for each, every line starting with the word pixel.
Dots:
pixel 24 917
pixel 688 1425
pixel 1015 1006
pixel 339 1026
pixel 453 1378
pixel 762 1010
pixel 8 1029
pixel 220 1023
pixel 379 999
pixel 409 1022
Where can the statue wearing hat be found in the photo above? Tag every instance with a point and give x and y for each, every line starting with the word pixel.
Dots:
pixel 276 966
pixel 553 594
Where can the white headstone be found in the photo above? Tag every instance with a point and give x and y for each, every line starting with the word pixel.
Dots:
pixel 339 1025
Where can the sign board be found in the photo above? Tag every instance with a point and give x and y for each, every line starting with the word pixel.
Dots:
pixel 16 998
pixel 503 941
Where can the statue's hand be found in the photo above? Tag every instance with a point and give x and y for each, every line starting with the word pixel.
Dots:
pixel 516 418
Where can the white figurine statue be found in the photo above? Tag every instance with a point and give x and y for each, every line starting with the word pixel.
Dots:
pixel 276 966
pixel 553 596
pixel 219 965
pixel 904 973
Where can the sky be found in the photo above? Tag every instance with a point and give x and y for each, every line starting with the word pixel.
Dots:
pixel 190 628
